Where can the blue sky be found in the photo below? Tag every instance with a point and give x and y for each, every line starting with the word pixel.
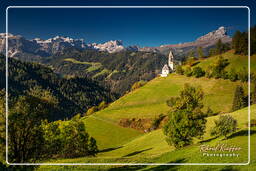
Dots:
pixel 143 27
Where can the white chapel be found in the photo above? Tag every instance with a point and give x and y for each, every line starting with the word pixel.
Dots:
pixel 168 68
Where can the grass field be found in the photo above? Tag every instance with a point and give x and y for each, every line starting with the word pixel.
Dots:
pixel 125 145
pixel 150 100
pixel 151 147
pixel 236 62
pixel 107 134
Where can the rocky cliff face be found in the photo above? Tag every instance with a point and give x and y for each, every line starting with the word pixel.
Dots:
pixel 110 46
pixel 214 35
pixel 19 46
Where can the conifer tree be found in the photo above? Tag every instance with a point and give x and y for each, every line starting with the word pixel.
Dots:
pixel 239 100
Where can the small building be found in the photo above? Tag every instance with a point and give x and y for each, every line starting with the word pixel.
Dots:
pixel 165 71
pixel 168 68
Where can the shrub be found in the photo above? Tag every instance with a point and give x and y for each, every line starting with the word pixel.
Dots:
pixel 188 72
pixel 217 69
pixel 198 72
pixel 224 126
pixel 102 105
pixel 179 70
pixel 156 122
pixel 138 84
pixel 243 75
pixel 232 75
pixel 91 110
pixel 252 123
pixel 209 112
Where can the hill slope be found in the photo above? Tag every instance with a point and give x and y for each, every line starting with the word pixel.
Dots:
pixel 150 100
pixel 236 61
pixel 151 147
pixel 75 95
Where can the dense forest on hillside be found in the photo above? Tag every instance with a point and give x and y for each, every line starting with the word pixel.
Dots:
pixel 75 95
pixel 118 71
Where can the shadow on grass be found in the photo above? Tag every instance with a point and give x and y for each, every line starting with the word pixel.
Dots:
pixel 168 167
pixel 136 152
pixel 208 140
pixel 110 149
pixel 241 133
pixel 157 168
pixel 229 168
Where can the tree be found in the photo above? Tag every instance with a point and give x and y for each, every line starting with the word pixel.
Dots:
pixel 243 74
pixel 198 72
pixel 68 139
pixel 236 40
pixel 179 70
pixel 217 68
pixel 138 84
pixel 186 120
pixel 232 75
pixel 92 146
pixel 25 133
pixel 240 42
pixel 200 52
pixel 188 72
pixel 212 52
pixel 2 123
pixel 102 105
pixel 191 53
pixel 224 126
pixel 253 99
pixel 91 110
pixel 219 46
pixel 239 100
pixel 253 40
pixel 74 138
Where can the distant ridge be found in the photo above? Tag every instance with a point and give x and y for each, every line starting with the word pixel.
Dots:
pixel 20 46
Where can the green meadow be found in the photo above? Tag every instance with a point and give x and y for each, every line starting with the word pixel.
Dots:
pixel 152 148
pixel 236 61
pixel 126 145
pixel 150 100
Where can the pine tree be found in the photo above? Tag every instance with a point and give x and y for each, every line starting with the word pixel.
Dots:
pixel 239 99
pixel 200 52
pixel 236 40
pixel 219 47
pixel 253 99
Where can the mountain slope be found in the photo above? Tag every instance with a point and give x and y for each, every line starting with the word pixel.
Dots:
pixel 150 100
pixel 206 41
pixel 236 61
pixel 75 95
pixel 117 71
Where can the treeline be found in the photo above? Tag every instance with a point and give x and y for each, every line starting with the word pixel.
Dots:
pixel 74 95
pixel 218 49
pixel 240 42
pixel 32 138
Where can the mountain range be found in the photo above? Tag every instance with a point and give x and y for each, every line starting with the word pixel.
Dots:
pixel 25 49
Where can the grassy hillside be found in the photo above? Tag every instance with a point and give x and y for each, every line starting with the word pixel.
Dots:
pixel 150 100
pixel 237 62
pixel 107 134
pixel 125 145
pixel 151 147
